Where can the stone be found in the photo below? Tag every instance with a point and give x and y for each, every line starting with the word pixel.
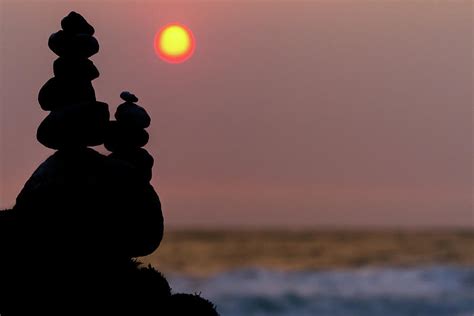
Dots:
pixel 57 93
pixel 120 137
pixel 77 125
pixel 83 204
pixel 154 283
pixel 190 304
pixel 8 225
pixel 73 45
pixel 75 23
pixel 75 69
pixel 128 97
pixel 83 217
pixel 133 115
pixel 139 158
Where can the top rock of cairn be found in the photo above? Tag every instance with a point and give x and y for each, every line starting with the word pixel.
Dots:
pixel 74 23
pixel 75 39
pixel 128 97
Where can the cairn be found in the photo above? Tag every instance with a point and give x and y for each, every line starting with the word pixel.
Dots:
pixel 76 119
pixel 69 244
pixel 126 136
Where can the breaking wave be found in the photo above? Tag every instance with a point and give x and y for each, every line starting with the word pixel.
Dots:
pixel 420 291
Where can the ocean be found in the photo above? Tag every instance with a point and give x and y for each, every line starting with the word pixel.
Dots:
pixel 323 273
pixel 420 291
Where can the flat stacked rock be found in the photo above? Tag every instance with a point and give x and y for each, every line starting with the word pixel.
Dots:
pixel 77 119
pixel 127 135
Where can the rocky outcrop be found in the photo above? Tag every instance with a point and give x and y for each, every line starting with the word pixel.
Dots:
pixel 67 246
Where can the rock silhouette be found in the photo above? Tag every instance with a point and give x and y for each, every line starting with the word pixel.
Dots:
pixel 76 118
pixel 68 244
pixel 127 135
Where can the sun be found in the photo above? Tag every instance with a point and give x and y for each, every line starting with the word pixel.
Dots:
pixel 174 43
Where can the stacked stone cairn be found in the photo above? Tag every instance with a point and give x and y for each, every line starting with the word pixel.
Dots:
pixel 70 243
pixel 126 136
pixel 76 118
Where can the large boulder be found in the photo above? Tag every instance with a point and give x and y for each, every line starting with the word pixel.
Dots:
pixel 81 204
pixel 139 159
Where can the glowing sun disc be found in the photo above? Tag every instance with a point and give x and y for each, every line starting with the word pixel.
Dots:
pixel 174 43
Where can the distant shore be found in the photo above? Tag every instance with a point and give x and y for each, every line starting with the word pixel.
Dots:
pixel 209 252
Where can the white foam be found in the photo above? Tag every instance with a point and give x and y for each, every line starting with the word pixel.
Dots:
pixel 367 291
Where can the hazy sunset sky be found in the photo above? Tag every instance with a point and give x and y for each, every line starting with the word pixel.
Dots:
pixel 289 114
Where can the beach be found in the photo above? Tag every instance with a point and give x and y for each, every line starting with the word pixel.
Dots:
pixel 208 252
pixel 324 272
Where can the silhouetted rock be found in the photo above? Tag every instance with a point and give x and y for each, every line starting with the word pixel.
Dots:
pixel 155 284
pixel 121 137
pixel 77 125
pixel 67 245
pixel 75 69
pixel 128 96
pixel 58 93
pixel 8 220
pixel 138 156
pixel 139 159
pixel 132 115
pixel 80 203
pixel 74 23
pixel 190 304
pixel 73 45
pixel 126 135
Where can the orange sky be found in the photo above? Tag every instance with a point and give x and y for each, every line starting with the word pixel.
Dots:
pixel 289 113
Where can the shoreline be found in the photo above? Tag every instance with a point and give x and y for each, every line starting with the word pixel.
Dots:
pixel 210 252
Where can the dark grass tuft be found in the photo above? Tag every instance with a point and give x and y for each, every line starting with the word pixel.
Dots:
pixel 191 304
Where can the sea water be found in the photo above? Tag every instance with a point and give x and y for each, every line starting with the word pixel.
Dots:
pixel 416 291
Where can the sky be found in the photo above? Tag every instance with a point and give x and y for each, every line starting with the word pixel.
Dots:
pixel 290 114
